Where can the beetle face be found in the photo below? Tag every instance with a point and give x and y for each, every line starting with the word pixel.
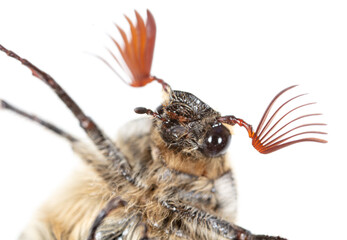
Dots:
pixel 188 124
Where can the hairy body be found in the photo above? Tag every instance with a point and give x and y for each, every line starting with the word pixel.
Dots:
pixel 166 177
pixel 70 213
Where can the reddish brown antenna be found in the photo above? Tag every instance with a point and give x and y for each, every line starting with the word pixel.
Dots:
pixel 137 51
pixel 265 139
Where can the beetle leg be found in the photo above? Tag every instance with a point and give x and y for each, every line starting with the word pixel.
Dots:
pixel 98 137
pixel 204 220
pixel 113 204
pixel 45 124
pixel 265 237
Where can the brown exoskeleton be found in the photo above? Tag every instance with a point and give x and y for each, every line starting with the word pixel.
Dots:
pixel 165 177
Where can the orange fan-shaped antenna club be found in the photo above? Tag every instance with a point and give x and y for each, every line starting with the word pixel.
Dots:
pixel 137 51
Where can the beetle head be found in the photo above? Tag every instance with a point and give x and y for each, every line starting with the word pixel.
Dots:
pixel 187 124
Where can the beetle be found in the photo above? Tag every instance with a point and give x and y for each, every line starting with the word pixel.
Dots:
pixel 166 176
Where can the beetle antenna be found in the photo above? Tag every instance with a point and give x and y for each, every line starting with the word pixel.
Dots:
pixel 232 120
pixel 143 110
pixel 265 139
pixel 136 54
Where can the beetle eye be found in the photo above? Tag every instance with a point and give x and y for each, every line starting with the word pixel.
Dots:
pixel 216 141
pixel 160 109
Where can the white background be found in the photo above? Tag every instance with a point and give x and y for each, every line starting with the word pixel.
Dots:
pixel 234 55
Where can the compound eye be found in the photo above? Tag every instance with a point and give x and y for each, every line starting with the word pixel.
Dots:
pixel 216 141
pixel 160 109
